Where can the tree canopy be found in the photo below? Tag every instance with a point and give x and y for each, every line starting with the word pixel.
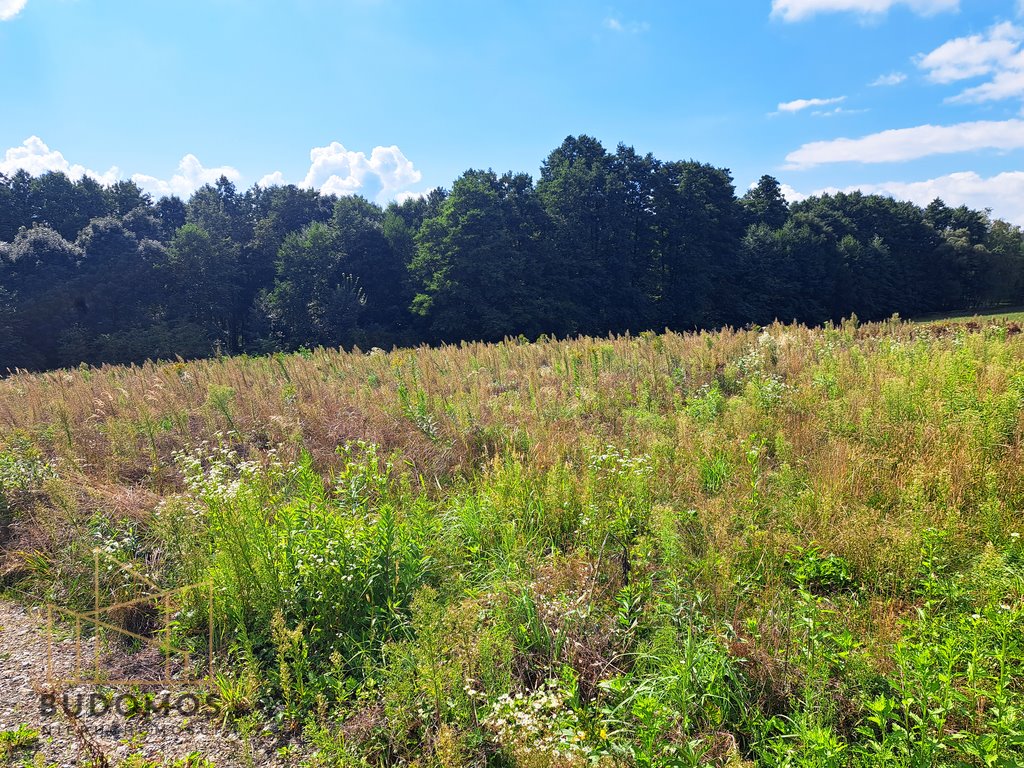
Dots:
pixel 602 242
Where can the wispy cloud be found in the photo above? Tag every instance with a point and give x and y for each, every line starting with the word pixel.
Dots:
pixel 1003 193
pixel 997 55
pixel 798 105
pixel 911 143
pixel 798 10
pixel 973 56
pixel 837 112
pixel 10 8
pixel 883 81
pixel 625 27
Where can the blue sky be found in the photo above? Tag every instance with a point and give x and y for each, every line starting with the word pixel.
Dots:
pixel 386 98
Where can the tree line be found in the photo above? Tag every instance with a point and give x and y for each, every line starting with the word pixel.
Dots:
pixel 602 242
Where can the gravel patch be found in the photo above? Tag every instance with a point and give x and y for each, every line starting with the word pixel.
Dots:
pixel 82 724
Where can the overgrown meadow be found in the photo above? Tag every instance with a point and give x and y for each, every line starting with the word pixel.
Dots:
pixel 771 547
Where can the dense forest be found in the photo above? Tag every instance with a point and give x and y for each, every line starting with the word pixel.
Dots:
pixel 602 242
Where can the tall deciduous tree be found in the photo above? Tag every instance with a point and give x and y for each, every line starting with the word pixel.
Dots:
pixel 479 259
pixel 41 269
pixel 202 278
pixel 316 299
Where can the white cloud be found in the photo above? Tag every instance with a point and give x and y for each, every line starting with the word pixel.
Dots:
pixel 838 111
pixel 1005 85
pixel 385 175
pixel 797 10
pixel 973 56
pixel 401 197
pixel 1003 193
pixel 791 195
pixel 799 104
pixel 911 143
pixel 335 170
pixel 275 179
pixel 10 8
pixel 998 55
pixel 191 176
pixel 36 157
pixel 632 27
pixel 895 78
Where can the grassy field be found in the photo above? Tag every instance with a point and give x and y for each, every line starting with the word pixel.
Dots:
pixel 777 547
pixel 1003 315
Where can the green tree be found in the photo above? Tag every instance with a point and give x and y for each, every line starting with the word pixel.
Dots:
pixel 479 260
pixel 222 213
pixel 380 269
pixel 316 300
pixel 586 195
pixel 765 204
pixel 201 275
pixel 698 242
pixel 41 267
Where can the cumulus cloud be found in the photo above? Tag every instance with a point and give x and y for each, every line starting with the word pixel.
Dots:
pixel 894 78
pixel 275 179
pixel 335 170
pixel 384 175
pixel 35 157
pixel 791 195
pixel 1003 193
pixel 798 10
pixel 1005 85
pixel 10 8
pixel 800 104
pixel 911 143
pixel 191 176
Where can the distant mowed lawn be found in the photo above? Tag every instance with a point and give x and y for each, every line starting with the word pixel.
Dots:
pixel 1007 314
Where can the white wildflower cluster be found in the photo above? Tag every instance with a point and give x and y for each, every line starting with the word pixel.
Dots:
pixel 119 548
pixel 325 561
pixel 613 462
pixel 118 544
pixel 763 354
pixel 538 725
pixel 176 510
pixel 769 391
pixel 218 472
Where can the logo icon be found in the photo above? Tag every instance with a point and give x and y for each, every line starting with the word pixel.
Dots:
pixel 159 608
